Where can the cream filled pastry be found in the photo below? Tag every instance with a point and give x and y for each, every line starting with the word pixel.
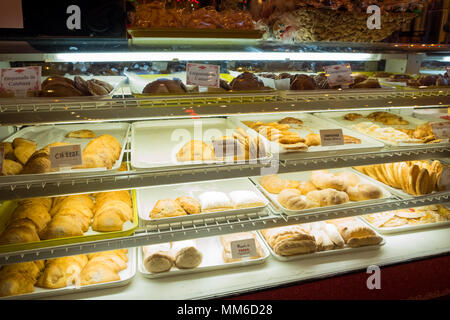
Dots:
pixel 245 199
pixel 214 201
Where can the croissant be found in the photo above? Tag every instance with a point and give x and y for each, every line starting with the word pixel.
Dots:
pixel 23 149
pixel 364 191
pixel 62 272
pixel 328 197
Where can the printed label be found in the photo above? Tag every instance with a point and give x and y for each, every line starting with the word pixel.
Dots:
pixel 339 74
pixel 65 156
pixel 11 14
pixel 243 248
pixel 441 130
pixel 21 79
pixel 206 75
pixel 331 137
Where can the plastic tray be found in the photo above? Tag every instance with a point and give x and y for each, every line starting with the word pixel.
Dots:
pixel 147 198
pixel 305 176
pixel 44 135
pixel 318 254
pixel 311 124
pixel 336 117
pixel 154 144
pixel 126 276
pixel 7 208
pixel 211 249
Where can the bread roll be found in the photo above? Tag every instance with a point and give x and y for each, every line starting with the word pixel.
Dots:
pixel 158 258
pixel 322 179
pixel 188 258
pixel 328 197
pixel 364 191
pixel 293 200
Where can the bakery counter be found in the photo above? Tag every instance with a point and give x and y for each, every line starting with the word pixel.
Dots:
pixel 405 247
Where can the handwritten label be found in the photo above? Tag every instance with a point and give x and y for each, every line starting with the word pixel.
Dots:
pixel 20 79
pixel 441 130
pixel 206 75
pixel 339 74
pixel 243 248
pixel 65 156
pixel 11 14
pixel 2 156
pixel 331 137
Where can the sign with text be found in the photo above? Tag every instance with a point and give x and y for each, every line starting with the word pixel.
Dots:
pixel 331 137
pixel 339 74
pixel 20 79
pixel 243 248
pixel 11 14
pixel 65 156
pixel 441 130
pixel 206 75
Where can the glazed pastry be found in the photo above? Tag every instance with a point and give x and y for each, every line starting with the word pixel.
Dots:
pixel 212 201
pixel 322 240
pixel 166 208
pixel 245 199
pixel 363 192
pixel 82 134
pixel 195 150
pixel 333 234
pixel 189 204
pixel 158 258
pixel 328 197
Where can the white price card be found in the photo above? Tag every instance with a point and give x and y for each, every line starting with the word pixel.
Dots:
pixel 243 248
pixel 65 156
pixel 11 15
pixel 206 75
pixel 2 156
pixel 339 74
pixel 441 130
pixel 21 79
pixel 331 137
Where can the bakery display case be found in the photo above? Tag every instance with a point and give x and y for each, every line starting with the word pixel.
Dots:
pixel 322 176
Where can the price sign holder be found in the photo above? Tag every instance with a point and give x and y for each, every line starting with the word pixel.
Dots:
pixel 65 156
pixel 331 137
pixel 339 75
pixel 244 248
pixel 206 75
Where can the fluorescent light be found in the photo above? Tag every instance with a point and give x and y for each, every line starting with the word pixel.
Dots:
pixel 211 56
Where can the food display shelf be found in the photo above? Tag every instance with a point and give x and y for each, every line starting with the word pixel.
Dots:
pixel 217 226
pixel 51 111
pixel 41 185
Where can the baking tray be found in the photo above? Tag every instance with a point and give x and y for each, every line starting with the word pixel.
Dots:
pixel 319 254
pixel 336 117
pixel 305 176
pixel 154 144
pixel 211 249
pixel 44 135
pixel 126 276
pixel 147 198
pixel 7 208
pixel 311 124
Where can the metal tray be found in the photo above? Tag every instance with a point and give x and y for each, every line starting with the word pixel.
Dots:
pixel 147 198
pixel 211 249
pixel 126 276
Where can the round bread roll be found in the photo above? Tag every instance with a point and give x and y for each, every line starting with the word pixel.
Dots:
pixel 188 258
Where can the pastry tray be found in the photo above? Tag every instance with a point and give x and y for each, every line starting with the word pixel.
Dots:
pixel 305 176
pixel 211 249
pixel 126 276
pixel 154 144
pixel 405 228
pixel 44 135
pixel 7 208
pixel 319 254
pixel 147 198
pixel 137 32
pixel 311 124
pixel 336 117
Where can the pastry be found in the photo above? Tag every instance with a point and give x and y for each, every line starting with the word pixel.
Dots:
pixel 158 258
pixel 37 213
pixel 102 151
pixel 313 139
pixel 62 272
pixel 189 204
pixel 8 150
pixel 363 192
pixel 57 86
pixel 195 150
pixel 355 233
pixel 291 121
pixel 19 278
pixel 289 240
pixel 328 197
pixel 351 140
pixel 212 201
pixel 111 211
pixel 322 179
pixel 247 81
pixel 187 256
pixel 23 149
pixel 333 234
pixel 273 183
pixel 165 86
pixel 352 116
pixel 227 147
pixel 166 208
pixel 81 85
pixel 245 199
pixel 39 162
pixel 306 187
pixel 323 242
pixel 82 134
pixel 20 231
pixel 103 267
pixel 293 200
pixel 303 82
pixel 387 118
pixel 350 178
pixel 10 168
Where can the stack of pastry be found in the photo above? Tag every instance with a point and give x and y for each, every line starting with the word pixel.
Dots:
pixel 30 217
pixel 162 257
pixel 16 154
pixel 111 210
pixel 226 240
pixel 323 189
pixel 413 177
pixel 210 201
pixel 71 216
pixel 411 217
pixel 19 278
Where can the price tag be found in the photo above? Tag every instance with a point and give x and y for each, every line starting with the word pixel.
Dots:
pixel 20 79
pixel 339 74
pixel 11 16
pixel 331 137
pixel 206 75
pixel 243 248
pixel 441 130
pixel 2 156
pixel 65 156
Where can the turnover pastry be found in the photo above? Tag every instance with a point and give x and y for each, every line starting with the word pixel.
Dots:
pixel 166 208
pixel 23 149
pixel 189 204
pixel 212 201
pixel 112 210
pixel 355 233
pixel 195 150
pixel 62 272
pixel 102 151
pixel 245 199
pixel 290 240
pixel 19 278
pixel 82 134
pixel 104 267
pixel 364 191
